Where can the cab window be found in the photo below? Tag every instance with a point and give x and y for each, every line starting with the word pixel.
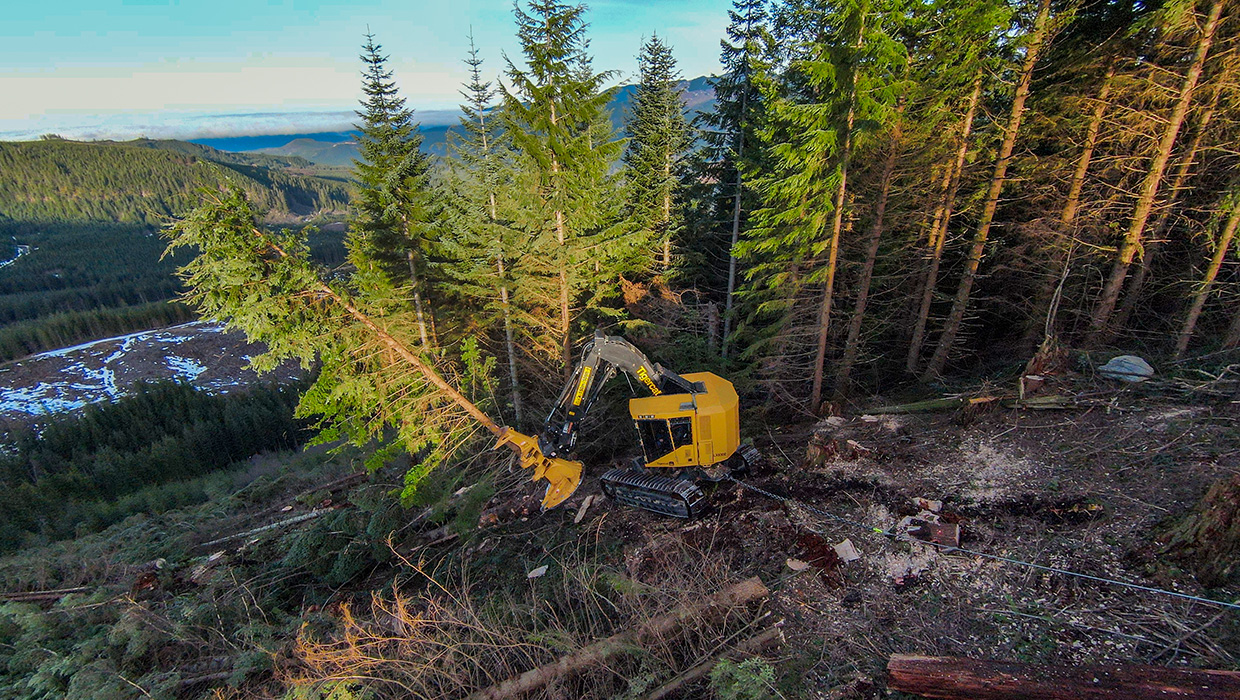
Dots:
pixel 656 440
pixel 682 431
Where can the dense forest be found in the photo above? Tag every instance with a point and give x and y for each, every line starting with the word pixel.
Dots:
pixel 145 181
pixel 81 473
pixel 884 192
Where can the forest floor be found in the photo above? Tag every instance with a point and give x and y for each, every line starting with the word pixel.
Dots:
pixel 1092 490
pixel 441 601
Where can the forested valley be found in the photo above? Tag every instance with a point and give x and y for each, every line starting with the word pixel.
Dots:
pixel 918 238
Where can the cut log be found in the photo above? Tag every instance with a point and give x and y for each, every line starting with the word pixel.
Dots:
pixel 42 596
pixel 735 595
pixel 951 678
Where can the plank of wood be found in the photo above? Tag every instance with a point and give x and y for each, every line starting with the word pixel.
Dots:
pixel 732 596
pixel 953 678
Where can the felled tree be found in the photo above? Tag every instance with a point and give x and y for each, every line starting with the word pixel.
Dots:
pixel 371 385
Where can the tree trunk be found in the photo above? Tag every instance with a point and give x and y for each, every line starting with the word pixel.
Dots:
pixel 417 301
pixel 1203 291
pixel 667 215
pixel 566 342
pixel 509 346
pixel 599 652
pixel 1137 283
pixel 1233 334
pixel 955 318
pixel 938 231
pixel 736 217
pixel 1046 292
pixel 833 247
pixel 952 678
pixel 851 345
pixel 1133 238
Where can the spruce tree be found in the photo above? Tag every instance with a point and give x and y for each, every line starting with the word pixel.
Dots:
pixel 658 136
pixel 394 226
pixel 567 204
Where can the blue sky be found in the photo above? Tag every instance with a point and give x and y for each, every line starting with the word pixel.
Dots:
pixel 117 68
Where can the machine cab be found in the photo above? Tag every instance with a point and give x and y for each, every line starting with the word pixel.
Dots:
pixel 689 430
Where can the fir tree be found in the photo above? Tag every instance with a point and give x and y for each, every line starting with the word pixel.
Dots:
pixel 658 136
pixel 729 149
pixel 568 206
pixel 394 226
pixel 481 245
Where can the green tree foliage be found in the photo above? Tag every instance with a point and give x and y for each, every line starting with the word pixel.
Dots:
pixel 264 283
pixel 393 228
pixel 720 198
pixel 480 247
pixel 658 137
pixel 58 181
pixel 567 204
pixel 840 87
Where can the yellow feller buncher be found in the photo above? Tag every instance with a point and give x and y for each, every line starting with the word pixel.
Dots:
pixel 689 428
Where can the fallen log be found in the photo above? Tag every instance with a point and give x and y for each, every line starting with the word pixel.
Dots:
pixel 750 646
pixel 738 594
pixel 39 596
pixel 930 405
pixel 951 678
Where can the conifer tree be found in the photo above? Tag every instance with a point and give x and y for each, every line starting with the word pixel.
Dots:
pixel 1177 15
pixel 481 244
pixel 658 136
pixel 394 226
pixel 728 133
pixel 844 75
pixel 1039 35
pixel 567 205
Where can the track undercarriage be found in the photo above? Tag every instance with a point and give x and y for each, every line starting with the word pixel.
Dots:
pixel 676 495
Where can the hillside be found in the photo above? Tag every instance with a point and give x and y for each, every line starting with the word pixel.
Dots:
pixel 147 181
pixel 698 97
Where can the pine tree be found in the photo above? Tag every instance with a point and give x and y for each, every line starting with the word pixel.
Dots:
pixel 394 226
pixel 658 136
pixel 568 206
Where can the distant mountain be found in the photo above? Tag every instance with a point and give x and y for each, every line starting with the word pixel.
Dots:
pixel 338 149
pixel 146 181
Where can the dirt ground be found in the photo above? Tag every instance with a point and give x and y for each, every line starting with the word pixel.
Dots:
pixel 1085 489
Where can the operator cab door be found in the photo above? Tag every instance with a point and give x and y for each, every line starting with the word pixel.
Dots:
pixel 668 442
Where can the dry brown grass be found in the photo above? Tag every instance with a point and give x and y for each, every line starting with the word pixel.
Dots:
pixel 451 632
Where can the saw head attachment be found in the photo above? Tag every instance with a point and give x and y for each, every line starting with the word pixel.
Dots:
pixel 563 476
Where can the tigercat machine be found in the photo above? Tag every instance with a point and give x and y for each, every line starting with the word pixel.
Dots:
pixel 689 429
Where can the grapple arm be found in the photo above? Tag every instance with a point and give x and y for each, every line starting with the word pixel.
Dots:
pixel 563 476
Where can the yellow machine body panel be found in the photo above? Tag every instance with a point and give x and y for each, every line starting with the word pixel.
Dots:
pixel 689 430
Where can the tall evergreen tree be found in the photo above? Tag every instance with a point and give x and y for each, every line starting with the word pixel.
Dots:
pixel 729 148
pixel 841 85
pixel 567 204
pixel 658 136
pixel 394 226
pixel 481 245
